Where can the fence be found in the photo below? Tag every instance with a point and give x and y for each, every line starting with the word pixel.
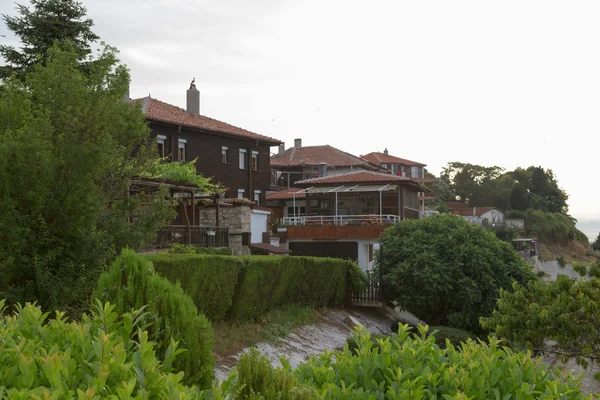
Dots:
pixel 204 236
pixel 372 294
pixel 369 219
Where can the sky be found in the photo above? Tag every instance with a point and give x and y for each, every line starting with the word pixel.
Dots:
pixel 511 83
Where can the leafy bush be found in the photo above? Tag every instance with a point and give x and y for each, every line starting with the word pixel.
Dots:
pixel 132 283
pixel 447 271
pixel 407 366
pixel 105 355
pixel 455 336
pixel 561 261
pixel 245 288
pixel 189 249
pixel 553 228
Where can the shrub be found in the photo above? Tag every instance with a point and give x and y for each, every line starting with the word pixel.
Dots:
pixel 189 249
pixel 561 261
pixel 407 366
pixel 447 271
pixel 245 288
pixel 132 283
pixel 105 355
pixel 455 336
pixel 209 280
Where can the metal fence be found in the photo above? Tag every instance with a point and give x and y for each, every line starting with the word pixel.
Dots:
pixel 204 236
pixel 340 220
pixel 372 292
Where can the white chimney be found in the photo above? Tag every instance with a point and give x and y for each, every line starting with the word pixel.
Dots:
pixel 193 99
pixel 297 143
pixel 281 148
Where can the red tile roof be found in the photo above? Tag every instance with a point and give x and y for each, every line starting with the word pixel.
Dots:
pixel 381 158
pixel 356 177
pixel 314 155
pixel 456 204
pixel 156 110
pixel 287 194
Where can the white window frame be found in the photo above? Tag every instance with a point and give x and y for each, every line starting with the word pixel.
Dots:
pixel 241 193
pixel 161 139
pixel 254 154
pixel 384 166
pixel 412 174
pixel 181 144
pixel 242 159
pixel 225 155
pixel 257 197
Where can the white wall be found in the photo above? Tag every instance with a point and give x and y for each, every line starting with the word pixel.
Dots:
pixel 493 216
pixel 258 225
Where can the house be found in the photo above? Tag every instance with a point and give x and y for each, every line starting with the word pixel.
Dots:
pixel 235 157
pixel 343 215
pixel 487 216
pixel 300 163
pixel 396 165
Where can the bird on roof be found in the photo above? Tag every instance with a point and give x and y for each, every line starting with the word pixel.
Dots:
pixel 193 84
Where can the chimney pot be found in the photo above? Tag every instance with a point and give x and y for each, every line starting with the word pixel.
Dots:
pixel 281 148
pixel 193 99
pixel 297 143
pixel 385 151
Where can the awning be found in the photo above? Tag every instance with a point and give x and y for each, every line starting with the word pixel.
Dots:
pixel 269 248
pixel 352 188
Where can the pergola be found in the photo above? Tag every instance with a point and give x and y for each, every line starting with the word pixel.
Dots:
pixel 347 189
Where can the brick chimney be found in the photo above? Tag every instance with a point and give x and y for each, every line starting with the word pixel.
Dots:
pixel 193 99
pixel 297 143
pixel 385 151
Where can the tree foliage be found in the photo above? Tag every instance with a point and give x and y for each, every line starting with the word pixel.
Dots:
pixel 38 27
pixel 70 147
pixel 596 244
pixel 185 172
pixel 447 271
pixel 559 317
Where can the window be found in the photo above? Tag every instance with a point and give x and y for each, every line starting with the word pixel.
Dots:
pixel 224 155
pixel 414 172
pixel 395 169
pixel 300 211
pixel 370 251
pixel 243 157
pixel 255 160
pixel 257 197
pixel 181 149
pixel 241 193
pixel 384 166
pixel 160 142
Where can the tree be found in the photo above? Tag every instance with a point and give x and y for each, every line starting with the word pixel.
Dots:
pixel 473 184
pixel 559 317
pixel 70 148
pixel 596 244
pixel 447 271
pixel 39 27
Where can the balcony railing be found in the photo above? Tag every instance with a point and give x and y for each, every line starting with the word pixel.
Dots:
pixel 204 236
pixel 342 220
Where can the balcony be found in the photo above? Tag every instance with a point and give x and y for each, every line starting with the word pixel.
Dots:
pixel 338 227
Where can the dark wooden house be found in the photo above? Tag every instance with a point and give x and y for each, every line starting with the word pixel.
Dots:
pixel 235 157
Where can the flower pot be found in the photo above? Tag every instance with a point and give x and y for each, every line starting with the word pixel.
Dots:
pixel 210 233
pixel 280 230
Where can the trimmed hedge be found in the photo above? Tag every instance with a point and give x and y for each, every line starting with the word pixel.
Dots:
pixel 169 313
pixel 189 249
pixel 245 288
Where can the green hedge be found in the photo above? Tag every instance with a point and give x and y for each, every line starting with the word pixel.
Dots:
pixel 189 249
pixel 132 283
pixel 245 288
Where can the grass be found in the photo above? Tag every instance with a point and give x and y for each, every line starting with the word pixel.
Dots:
pixel 231 338
pixel 574 251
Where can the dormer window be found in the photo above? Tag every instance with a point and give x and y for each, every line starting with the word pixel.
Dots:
pixel 384 166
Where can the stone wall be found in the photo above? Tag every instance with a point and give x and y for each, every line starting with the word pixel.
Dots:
pixel 235 217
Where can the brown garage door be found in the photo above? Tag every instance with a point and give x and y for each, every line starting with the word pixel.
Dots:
pixel 345 250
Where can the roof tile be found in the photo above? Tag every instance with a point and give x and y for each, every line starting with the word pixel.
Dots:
pixel 314 155
pixel 356 177
pixel 381 158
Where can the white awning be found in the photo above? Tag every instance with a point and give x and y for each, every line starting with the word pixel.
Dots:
pixel 352 188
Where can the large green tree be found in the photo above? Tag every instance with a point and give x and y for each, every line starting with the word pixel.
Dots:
pixel 447 271
pixel 70 147
pixel 596 244
pixel 39 26
pixel 473 184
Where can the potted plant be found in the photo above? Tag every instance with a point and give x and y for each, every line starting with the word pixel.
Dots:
pixel 281 227
pixel 210 232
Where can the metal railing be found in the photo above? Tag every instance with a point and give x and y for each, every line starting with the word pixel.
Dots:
pixel 204 236
pixel 342 220
pixel 371 293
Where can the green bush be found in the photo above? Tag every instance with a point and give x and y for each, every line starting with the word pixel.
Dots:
pixel 245 288
pixel 447 271
pixel 553 228
pixel 102 356
pixel 209 280
pixel 455 336
pixel 189 249
pixel 407 366
pixel 132 283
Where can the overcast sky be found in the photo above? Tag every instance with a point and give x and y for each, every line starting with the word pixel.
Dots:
pixel 511 83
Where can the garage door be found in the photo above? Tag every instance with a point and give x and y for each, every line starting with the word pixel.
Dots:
pixel 344 250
